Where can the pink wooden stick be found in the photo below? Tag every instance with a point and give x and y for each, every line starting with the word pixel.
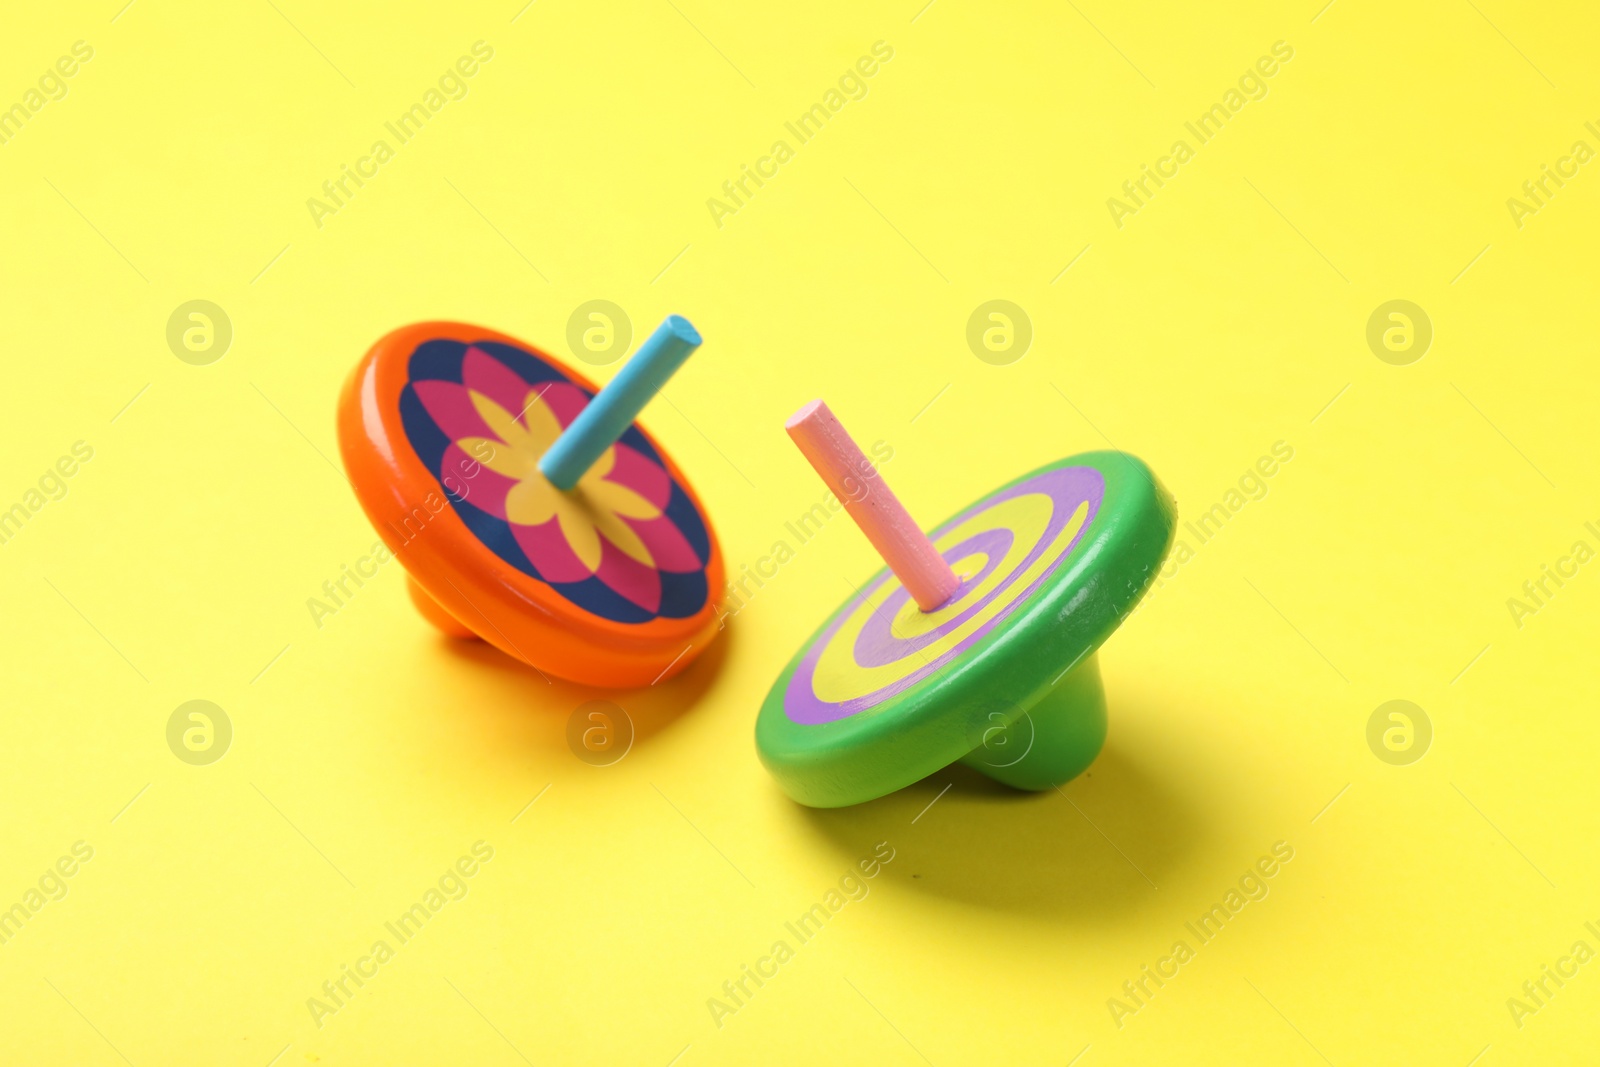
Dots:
pixel 901 543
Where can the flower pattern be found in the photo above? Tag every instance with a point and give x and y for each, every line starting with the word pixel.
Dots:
pixel 626 543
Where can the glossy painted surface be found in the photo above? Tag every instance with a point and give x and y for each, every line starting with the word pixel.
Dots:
pixel 441 427
pixel 1056 559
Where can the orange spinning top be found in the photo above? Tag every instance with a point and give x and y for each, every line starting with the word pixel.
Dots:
pixel 442 428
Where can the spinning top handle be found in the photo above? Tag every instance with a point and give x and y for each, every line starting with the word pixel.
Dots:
pixel 874 507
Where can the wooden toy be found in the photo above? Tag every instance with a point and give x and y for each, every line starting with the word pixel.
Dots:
pixel 977 644
pixel 527 507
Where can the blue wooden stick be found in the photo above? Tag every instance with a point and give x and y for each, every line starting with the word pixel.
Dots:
pixel 614 408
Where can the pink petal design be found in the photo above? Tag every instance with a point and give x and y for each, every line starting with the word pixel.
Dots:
pixel 564 400
pixel 645 477
pixel 667 545
pixel 450 407
pixel 547 547
pixel 635 581
pixel 467 479
pixel 484 374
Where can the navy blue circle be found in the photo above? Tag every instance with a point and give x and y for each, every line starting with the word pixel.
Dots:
pixel 682 595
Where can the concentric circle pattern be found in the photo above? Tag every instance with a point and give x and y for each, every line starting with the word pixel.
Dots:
pixel 1003 548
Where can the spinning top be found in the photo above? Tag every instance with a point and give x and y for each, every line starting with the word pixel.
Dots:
pixel 977 644
pixel 530 510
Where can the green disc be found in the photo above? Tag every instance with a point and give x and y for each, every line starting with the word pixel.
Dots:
pixel 884 694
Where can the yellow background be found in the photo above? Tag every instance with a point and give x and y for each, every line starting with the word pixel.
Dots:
pixel 1225 316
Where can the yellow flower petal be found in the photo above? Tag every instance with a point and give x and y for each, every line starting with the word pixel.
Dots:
pixel 543 426
pixel 597 508
pixel 578 525
pixel 611 497
pixel 532 501
pixel 601 466
pixel 614 529
pixel 501 421
pixel 500 457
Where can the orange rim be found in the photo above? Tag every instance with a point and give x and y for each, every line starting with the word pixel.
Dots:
pixel 439 499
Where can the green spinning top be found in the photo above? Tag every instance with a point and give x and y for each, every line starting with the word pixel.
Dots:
pixel 999 671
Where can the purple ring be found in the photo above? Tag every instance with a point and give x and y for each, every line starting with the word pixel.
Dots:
pixel 1066 487
pixel 877 646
